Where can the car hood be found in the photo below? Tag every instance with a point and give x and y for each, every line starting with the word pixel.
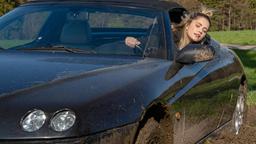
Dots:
pixel 20 70
pixel 103 92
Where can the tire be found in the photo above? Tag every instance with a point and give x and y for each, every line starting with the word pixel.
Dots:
pixel 240 113
pixel 155 133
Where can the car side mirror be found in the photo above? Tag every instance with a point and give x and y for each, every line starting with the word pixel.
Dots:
pixel 195 53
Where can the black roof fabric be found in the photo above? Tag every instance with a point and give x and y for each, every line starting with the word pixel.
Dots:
pixel 158 4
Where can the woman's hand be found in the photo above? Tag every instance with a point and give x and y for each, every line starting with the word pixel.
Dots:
pixel 132 42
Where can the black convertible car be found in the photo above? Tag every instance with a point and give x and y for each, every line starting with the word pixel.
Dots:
pixel 68 77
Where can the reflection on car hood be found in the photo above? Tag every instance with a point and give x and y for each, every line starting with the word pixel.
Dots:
pixel 21 70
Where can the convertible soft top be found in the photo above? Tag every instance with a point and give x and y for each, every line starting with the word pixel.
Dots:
pixel 158 4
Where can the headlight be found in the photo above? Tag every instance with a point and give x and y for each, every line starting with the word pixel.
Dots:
pixel 63 120
pixel 33 120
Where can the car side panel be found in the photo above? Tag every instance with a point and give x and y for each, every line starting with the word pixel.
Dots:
pixel 208 100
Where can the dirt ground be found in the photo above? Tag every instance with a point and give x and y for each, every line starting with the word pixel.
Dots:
pixel 247 135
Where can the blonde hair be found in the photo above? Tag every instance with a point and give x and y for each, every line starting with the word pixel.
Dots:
pixel 180 28
pixel 207 11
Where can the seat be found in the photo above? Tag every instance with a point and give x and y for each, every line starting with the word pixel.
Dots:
pixel 76 32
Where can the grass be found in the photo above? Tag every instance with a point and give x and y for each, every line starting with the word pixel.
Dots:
pixel 251 100
pixel 245 37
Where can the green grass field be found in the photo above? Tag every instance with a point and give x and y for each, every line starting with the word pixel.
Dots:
pixel 245 37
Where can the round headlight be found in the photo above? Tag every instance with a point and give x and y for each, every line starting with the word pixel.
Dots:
pixel 33 120
pixel 63 120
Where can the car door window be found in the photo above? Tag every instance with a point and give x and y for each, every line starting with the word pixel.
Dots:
pixel 116 26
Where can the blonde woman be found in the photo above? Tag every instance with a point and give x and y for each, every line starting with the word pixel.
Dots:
pixel 192 29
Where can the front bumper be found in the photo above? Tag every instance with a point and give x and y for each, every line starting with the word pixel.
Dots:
pixel 123 135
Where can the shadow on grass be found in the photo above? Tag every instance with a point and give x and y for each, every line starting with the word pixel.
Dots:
pixel 248 58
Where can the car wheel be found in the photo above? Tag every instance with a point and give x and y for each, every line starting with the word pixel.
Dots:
pixel 155 132
pixel 239 116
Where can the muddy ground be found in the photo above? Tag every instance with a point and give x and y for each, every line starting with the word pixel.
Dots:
pixel 247 134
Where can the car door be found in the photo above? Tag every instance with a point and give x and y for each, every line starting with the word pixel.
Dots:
pixel 206 100
pixel 192 106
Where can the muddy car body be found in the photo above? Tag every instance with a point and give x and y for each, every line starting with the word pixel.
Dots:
pixel 68 77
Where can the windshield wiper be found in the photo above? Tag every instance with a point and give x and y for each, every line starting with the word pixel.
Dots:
pixel 60 48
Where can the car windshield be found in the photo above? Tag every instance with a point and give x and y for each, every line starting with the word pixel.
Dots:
pixel 93 29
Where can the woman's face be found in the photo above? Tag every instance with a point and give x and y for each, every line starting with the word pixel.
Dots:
pixel 197 29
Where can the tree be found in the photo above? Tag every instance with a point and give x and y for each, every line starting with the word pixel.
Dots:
pixel 253 8
pixel 233 14
pixel 190 5
pixel 7 5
